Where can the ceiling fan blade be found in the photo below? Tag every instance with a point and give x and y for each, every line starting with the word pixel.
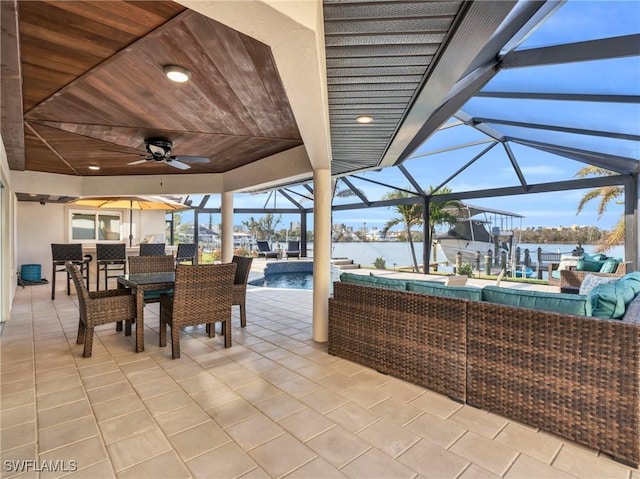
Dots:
pixel 177 164
pixel 138 162
pixel 191 159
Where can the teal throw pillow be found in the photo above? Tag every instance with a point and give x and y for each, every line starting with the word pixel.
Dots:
pixel 610 265
pixel 588 265
pixel 610 300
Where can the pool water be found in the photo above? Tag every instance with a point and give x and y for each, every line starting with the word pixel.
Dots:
pixel 291 279
pixel 286 280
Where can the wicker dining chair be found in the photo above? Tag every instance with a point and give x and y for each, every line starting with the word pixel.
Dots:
pixel 60 254
pixel 110 258
pixel 152 249
pixel 99 307
pixel 202 294
pixel 240 285
pixel 152 264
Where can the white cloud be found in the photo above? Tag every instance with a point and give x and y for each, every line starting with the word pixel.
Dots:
pixel 543 170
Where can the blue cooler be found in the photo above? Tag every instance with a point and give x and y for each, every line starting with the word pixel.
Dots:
pixel 31 272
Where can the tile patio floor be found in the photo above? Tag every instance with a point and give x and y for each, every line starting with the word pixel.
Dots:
pixel 274 405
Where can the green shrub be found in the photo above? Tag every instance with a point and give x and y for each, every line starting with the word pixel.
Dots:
pixel 465 268
pixel 379 263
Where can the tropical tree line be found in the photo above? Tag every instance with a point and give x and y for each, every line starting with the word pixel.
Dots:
pixel 542 235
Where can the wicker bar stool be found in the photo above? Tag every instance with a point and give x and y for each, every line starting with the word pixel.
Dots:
pixel 186 252
pixel 151 249
pixel 61 253
pixel 110 258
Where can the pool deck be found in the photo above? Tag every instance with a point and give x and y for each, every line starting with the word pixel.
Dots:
pixel 273 405
pixel 259 264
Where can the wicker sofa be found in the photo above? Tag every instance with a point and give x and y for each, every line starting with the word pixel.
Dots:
pixel 572 375
pixel 571 279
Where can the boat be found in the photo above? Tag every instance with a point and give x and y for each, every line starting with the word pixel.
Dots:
pixel 478 229
pixel 523 272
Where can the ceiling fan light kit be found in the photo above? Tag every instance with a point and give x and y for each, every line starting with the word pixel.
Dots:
pixel 177 73
pixel 159 150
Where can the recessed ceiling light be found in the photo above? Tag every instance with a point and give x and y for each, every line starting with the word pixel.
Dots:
pixel 32 194
pixel 176 73
pixel 94 167
pixel 364 119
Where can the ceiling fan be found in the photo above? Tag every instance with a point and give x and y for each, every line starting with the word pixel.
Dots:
pixel 159 149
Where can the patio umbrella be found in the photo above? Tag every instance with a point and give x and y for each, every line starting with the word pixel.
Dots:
pixel 133 203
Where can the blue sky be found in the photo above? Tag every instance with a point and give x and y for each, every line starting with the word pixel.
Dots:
pixel 574 21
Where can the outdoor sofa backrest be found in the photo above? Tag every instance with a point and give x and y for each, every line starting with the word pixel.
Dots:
pixel 555 371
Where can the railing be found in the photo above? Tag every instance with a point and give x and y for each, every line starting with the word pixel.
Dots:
pixel 542 258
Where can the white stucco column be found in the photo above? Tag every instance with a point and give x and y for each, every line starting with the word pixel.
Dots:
pixel 226 208
pixel 321 253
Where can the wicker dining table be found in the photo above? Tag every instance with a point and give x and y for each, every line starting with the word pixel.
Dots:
pixel 139 284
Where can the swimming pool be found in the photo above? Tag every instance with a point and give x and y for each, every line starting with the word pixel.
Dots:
pixel 292 275
pixel 286 280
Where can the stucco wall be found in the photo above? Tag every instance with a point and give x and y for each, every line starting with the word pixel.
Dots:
pixel 40 225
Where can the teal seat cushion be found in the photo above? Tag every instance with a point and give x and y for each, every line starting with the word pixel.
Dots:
pixel 356 279
pixel 155 295
pixel 389 283
pixel 556 302
pixel 439 289
pixel 610 300
pixel 374 281
pixel 610 265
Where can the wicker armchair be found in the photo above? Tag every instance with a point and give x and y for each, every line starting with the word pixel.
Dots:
pixel 151 264
pixel 99 307
pixel 243 266
pixel 571 279
pixel 202 294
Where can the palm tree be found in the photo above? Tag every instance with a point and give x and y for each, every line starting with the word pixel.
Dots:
pixel 442 213
pixel 411 215
pixel 606 194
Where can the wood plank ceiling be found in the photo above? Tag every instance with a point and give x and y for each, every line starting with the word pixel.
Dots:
pixel 93 90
